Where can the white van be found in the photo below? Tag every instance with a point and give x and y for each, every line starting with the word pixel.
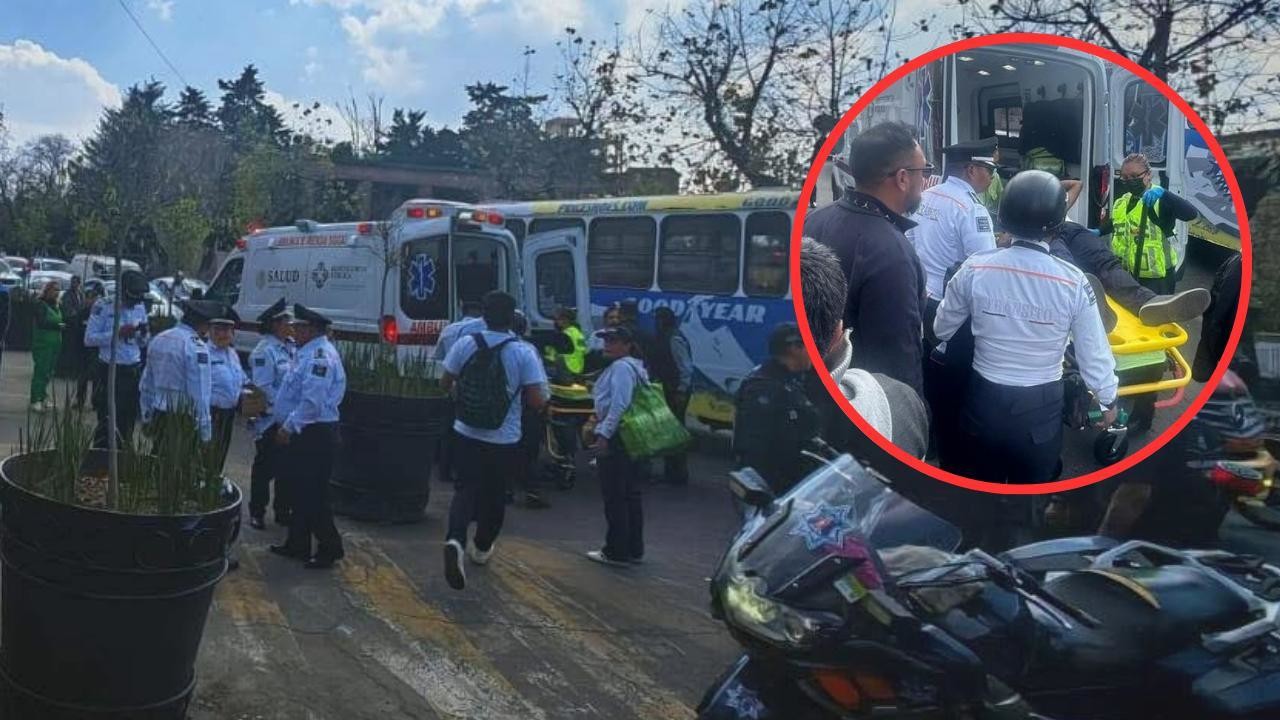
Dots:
pixel 399 281
pixel 98 267
pixel 1083 111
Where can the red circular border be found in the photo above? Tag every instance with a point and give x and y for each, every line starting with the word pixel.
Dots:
pixel 797 232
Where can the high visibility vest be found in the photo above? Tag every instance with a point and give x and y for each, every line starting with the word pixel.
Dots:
pixel 1159 256
pixel 576 359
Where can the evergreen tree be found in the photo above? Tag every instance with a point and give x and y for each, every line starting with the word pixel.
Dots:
pixel 193 109
pixel 244 115
pixel 402 142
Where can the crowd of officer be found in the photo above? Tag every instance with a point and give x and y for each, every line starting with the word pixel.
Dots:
pixel 979 314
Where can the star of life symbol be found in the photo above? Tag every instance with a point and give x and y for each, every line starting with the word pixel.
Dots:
pixel 744 702
pixel 422 277
pixel 320 275
pixel 826 526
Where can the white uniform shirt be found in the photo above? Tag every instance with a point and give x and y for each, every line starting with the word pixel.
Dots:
pixel 952 224
pixel 455 330
pixel 524 368
pixel 176 377
pixel 313 389
pixel 1025 304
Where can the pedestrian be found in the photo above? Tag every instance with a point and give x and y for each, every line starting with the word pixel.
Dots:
pixel 1141 225
pixel 823 124
pixel 70 304
pixel 866 229
pixel 493 377
pixel 85 358
pixel 952 223
pixel 469 322
pixel 271 360
pixel 4 319
pixel 774 419
pixel 595 344
pixel 227 381
pixel 566 355
pixel 620 475
pixel 307 411
pixel 671 363
pixel 46 344
pixel 125 353
pixel 1024 305
pixel 176 381
pixel 533 425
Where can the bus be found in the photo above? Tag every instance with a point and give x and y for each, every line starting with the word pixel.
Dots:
pixel 720 262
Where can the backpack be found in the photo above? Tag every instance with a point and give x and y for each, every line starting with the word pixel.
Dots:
pixel 483 401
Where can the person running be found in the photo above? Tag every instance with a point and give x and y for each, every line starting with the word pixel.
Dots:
pixel 46 344
pixel 620 475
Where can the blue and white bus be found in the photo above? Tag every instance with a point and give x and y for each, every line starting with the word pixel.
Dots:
pixel 719 261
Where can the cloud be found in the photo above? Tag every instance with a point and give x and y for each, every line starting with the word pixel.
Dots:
pixel 554 14
pixel 162 8
pixel 46 93
pixel 313 66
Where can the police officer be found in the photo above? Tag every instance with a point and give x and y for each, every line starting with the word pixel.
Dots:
pixel 952 224
pixel 270 361
pixel 226 380
pixel 126 355
pixel 1141 225
pixel 774 419
pixel 1025 304
pixel 176 380
pixel 307 410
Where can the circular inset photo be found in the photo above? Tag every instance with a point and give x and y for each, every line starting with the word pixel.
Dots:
pixel 1024 261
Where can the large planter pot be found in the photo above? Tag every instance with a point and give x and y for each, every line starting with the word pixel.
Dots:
pixel 102 612
pixel 388 448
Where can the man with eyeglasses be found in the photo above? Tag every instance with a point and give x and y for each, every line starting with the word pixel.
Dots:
pixel 952 223
pixel 866 229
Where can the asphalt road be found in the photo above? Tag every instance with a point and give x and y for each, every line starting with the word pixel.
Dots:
pixel 541 632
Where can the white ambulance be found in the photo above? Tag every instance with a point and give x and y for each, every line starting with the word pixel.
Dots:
pixel 398 281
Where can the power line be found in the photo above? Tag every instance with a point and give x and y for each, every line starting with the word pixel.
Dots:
pixel 154 46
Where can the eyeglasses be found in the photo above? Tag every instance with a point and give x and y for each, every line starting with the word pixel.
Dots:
pixel 1139 176
pixel 926 169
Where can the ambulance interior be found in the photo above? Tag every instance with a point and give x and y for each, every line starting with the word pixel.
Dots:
pixel 1038 110
pixel 479 265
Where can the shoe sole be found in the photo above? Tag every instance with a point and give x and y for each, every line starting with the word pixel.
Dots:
pixel 1181 307
pixel 454 573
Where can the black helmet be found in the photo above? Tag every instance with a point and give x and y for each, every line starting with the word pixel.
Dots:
pixel 134 284
pixel 1034 205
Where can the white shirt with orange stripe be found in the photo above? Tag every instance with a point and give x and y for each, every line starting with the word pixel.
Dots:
pixel 952 225
pixel 1025 305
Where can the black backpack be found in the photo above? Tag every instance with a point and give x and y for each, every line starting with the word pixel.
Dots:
pixel 483 401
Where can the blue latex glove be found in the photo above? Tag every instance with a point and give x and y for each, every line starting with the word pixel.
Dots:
pixel 1096 231
pixel 1150 197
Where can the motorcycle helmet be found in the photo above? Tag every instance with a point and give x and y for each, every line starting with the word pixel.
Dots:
pixel 1034 205
pixel 134 286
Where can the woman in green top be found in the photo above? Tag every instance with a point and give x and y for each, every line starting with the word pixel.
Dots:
pixel 46 343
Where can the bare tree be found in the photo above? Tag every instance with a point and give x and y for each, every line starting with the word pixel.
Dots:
pixel 364 122
pixel 1214 50
pixel 841 53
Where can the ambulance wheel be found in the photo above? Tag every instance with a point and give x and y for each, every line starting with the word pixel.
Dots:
pixel 1109 448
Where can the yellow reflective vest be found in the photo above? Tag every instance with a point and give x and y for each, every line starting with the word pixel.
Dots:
pixel 1159 256
pixel 576 359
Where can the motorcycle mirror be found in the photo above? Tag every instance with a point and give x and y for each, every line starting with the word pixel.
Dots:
pixel 747 485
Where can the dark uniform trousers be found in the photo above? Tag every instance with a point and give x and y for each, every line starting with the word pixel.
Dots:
pixel 127 402
pixel 1013 434
pixel 621 487
pixel 306 466
pixel 267 462
pixel 224 422
pixel 483 471
pixel 676 466
pixel 946 380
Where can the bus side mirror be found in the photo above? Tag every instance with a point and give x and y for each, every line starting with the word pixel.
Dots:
pixel 747 485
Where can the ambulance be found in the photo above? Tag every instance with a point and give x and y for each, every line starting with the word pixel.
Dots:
pixel 1062 110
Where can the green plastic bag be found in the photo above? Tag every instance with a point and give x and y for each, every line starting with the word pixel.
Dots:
pixel 649 428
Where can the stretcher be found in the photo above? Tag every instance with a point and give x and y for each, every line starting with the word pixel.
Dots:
pixel 568 411
pixel 1148 362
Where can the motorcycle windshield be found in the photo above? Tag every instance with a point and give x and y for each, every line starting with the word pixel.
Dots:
pixel 833 528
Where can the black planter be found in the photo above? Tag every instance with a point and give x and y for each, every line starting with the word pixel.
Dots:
pixel 388 448
pixel 102 612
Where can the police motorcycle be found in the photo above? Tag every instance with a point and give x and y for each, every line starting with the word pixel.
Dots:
pixel 850 602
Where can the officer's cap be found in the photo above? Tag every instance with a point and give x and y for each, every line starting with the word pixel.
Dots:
pixel 620 333
pixel 227 317
pixel 201 310
pixel 303 315
pixel 978 152
pixel 783 337
pixel 278 311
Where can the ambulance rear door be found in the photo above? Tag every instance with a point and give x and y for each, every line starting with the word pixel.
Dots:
pixel 555 275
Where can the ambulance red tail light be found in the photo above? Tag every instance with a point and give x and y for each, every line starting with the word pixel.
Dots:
pixel 423 212
pixel 364 229
pixel 390 331
pixel 242 243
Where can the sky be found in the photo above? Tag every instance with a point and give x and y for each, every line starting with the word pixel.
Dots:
pixel 62 61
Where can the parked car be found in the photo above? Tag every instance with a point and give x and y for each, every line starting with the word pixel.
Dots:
pixel 8 277
pixel 183 291
pixel 54 264
pixel 36 280
pixel 102 267
pixel 157 304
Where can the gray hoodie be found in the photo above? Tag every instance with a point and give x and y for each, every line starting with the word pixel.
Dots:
pixel 888 405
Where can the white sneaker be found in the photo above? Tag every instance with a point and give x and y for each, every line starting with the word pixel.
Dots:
pixel 454 573
pixel 600 557
pixel 477 556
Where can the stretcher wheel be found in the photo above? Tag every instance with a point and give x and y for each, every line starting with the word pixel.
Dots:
pixel 1109 448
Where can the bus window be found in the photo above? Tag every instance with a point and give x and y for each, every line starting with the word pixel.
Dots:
pixel 768 242
pixel 541 225
pixel 424 280
pixel 516 226
pixel 555 282
pixel 700 254
pixel 478 267
pixel 226 287
pixel 620 252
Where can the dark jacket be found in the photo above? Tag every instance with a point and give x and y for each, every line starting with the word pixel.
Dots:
pixel 1092 253
pixel 1219 319
pixel 886 283
pixel 773 421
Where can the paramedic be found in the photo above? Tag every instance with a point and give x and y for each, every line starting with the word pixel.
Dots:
pixel 1141 226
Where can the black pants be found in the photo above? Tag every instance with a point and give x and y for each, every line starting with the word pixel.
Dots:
pixel 483 470
pixel 1160 286
pixel 621 484
pixel 307 465
pixel 533 426
pixel 266 467
pixel 1013 434
pixel 127 402
pixel 946 380
pixel 224 422
pixel 676 467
